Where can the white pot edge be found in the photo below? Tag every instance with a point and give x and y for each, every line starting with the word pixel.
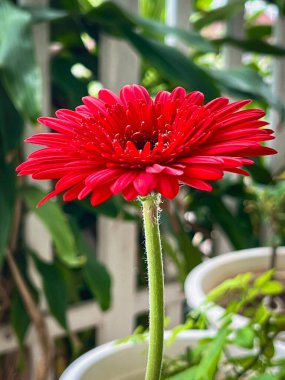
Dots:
pixel 77 368
pixel 195 294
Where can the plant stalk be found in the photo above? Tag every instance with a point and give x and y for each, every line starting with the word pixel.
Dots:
pixel 156 286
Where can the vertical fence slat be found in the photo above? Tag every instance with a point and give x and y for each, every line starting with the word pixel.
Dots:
pixel 234 28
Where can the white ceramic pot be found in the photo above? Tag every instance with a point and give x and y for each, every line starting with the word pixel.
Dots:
pixel 125 361
pixel 213 272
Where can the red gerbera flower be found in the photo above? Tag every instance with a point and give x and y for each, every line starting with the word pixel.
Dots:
pixel 132 144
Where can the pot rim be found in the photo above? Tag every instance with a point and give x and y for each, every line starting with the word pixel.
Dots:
pixel 195 279
pixel 81 364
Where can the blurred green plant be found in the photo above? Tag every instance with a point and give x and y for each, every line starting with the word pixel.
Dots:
pixel 256 338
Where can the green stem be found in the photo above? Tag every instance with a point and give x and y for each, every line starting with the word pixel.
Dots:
pixel 156 286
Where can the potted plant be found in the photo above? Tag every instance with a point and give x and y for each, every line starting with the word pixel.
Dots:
pixel 269 203
pixel 145 148
pixel 229 353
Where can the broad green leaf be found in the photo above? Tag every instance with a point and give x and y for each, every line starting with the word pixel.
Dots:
pixel 19 73
pixel 189 373
pixel 95 273
pixel 265 376
pixel 43 14
pixel 264 278
pixel 19 317
pixel 56 223
pixel 11 127
pixel 272 288
pixel 252 45
pixel 262 314
pixel 7 202
pixel 54 290
pixel 192 38
pixel 241 281
pixel 98 279
pixel 245 337
pixel 260 173
pixel 225 12
pixel 174 64
pixel 209 364
pixel 259 31
pixel 246 82
pixel 168 60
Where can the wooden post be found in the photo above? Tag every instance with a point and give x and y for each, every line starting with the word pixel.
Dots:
pixel 235 28
pixel 117 248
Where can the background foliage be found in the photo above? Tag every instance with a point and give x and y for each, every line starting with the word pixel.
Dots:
pixel 189 227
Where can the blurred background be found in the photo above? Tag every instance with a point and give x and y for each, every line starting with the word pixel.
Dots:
pixel 74 276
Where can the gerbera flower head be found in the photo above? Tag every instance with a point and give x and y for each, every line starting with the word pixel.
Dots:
pixel 134 145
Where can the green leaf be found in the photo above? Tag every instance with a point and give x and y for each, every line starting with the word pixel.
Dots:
pixel 252 45
pixel 189 373
pixel 19 73
pixel 11 127
pixel 245 337
pixel 41 14
pixel 262 314
pixel 174 64
pixel 246 82
pixel 264 278
pixel 7 203
pixel 98 279
pixel 95 273
pixel 203 19
pixel 193 38
pixel 239 282
pixel 168 60
pixel 56 223
pixel 54 290
pixel 265 376
pixel 259 173
pixel 259 31
pixel 209 364
pixel 272 288
pixel 19 317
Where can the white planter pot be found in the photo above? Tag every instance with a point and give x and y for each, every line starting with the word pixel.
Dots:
pixel 213 272
pixel 125 361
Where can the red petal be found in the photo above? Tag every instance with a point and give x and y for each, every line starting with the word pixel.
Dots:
pixel 217 104
pixel 196 183
pixel 94 105
pixel 144 183
pixel 123 181
pixel 168 186
pixel 130 193
pixel 202 172
pixel 100 195
pixel 108 97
